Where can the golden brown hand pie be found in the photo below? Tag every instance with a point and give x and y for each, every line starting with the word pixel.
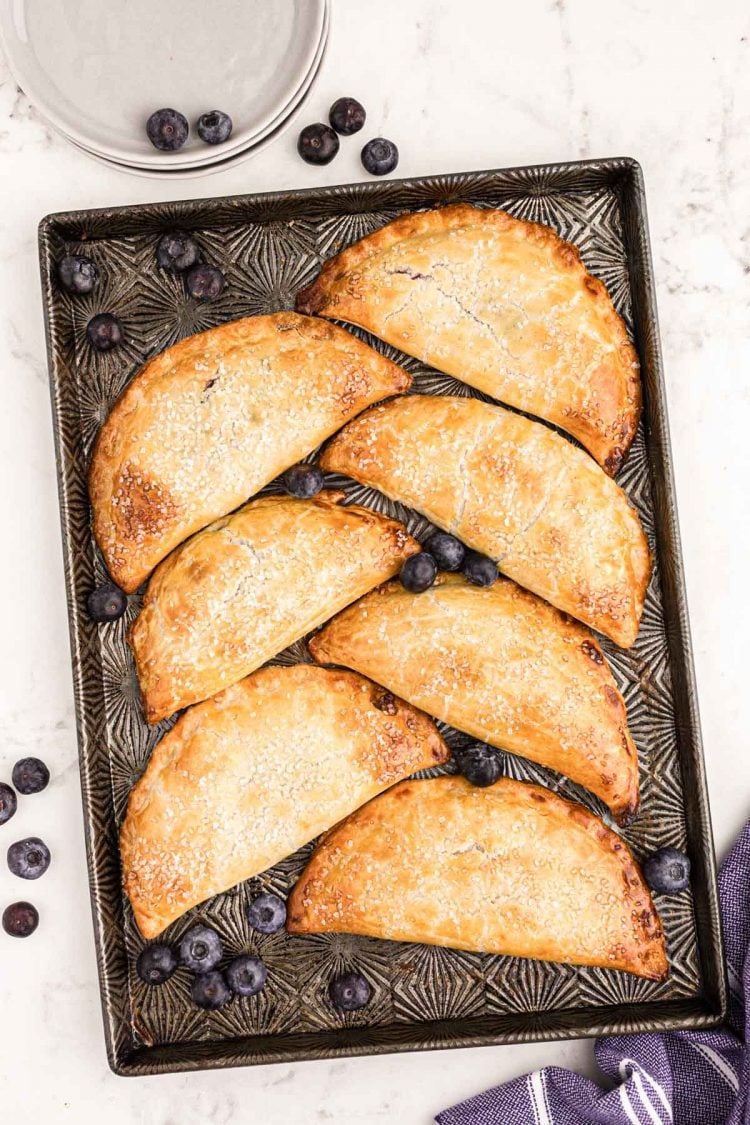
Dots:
pixel 246 778
pixel 214 418
pixel 501 665
pixel 509 869
pixel 513 489
pixel 499 303
pixel 239 592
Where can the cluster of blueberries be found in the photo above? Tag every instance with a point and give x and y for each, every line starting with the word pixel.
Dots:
pixel 200 952
pixel 176 252
pixel 319 143
pixel 29 858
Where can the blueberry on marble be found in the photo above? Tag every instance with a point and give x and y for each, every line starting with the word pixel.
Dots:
pixel 267 913
pixel 303 481
pixel 418 573
pixel 30 775
pixel 480 764
pixel 379 156
pixel 447 551
pixel 347 116
pixel 210 991
pixel 317 144
pixel 478 569
pixel 200 949
pixel 78 274
pixel 20 919
pixel 8 802
pixel 167 129
pixel 29 858
pixel 667 871
pixel 104 332
pixel 246 975
pixel 349 992
pixel 214 127
pixel 156 963
pixel 205 283
pixel 177 251
pixel 106 603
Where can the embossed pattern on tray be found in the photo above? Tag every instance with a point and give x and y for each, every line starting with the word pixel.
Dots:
pixel 270 247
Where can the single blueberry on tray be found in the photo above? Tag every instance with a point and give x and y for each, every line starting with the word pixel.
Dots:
pixel 28 858
pixel 347 116
pixel 210 991
pixel 303 481
pixel 205 283
pixel 8 802
pixel 267 913
pixel 478 569
pixel 30 775
pixel 106 603
pixel 104 332
pixel 379 156
pixel 200 949
pixel 20 919
pixel 447 551
pixel 317 144
pixel 156 963
pixel 667 871
pixel 246 975
pixel 480 764
pixel 77 274
pixel 177 251
pixel 214 127
pixel 167 129
pixel 418 573
pixel 349 992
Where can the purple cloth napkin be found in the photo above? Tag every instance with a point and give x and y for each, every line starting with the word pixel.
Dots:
pixel 679 1078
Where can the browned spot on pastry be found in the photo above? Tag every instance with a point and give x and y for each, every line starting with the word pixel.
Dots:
pixel 537 797
pixel 593 285
pixel 144 507
pixel 593 652
pixel 614 460
pixel 385 701
pixel 612 695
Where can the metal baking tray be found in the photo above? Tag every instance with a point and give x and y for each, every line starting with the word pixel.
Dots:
pixel 270 246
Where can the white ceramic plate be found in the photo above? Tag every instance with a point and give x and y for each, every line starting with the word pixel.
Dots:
pixel 221 154
pixel 206 170
pixel 97 68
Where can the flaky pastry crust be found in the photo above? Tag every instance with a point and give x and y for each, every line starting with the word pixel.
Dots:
pixel 510 869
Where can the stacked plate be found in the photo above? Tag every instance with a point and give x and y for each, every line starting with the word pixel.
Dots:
pixel 97 71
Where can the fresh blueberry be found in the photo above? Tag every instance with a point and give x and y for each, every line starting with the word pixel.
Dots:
pixel 156 963
pixel 349 992
pixel 200 949
pixel 8 802
pixel 303 481
pixel 210 991
pixel 106 603
pixel 317 144
pixel 667 871
pixel 205 283
pixel 28 859
pixel 379 156
pixel 176 251
pixel 480 764
pixel 246 975
pixel 447 551
pixel 77 274
pixel 267 913
pixel 104 332
pixel 418 573
pixel 167 129
pixel 347 116
pixel 215 127
pixel 479 569
pixel 20 919
pixel 30 775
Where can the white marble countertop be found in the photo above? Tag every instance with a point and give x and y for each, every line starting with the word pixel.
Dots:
pixel 475 84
